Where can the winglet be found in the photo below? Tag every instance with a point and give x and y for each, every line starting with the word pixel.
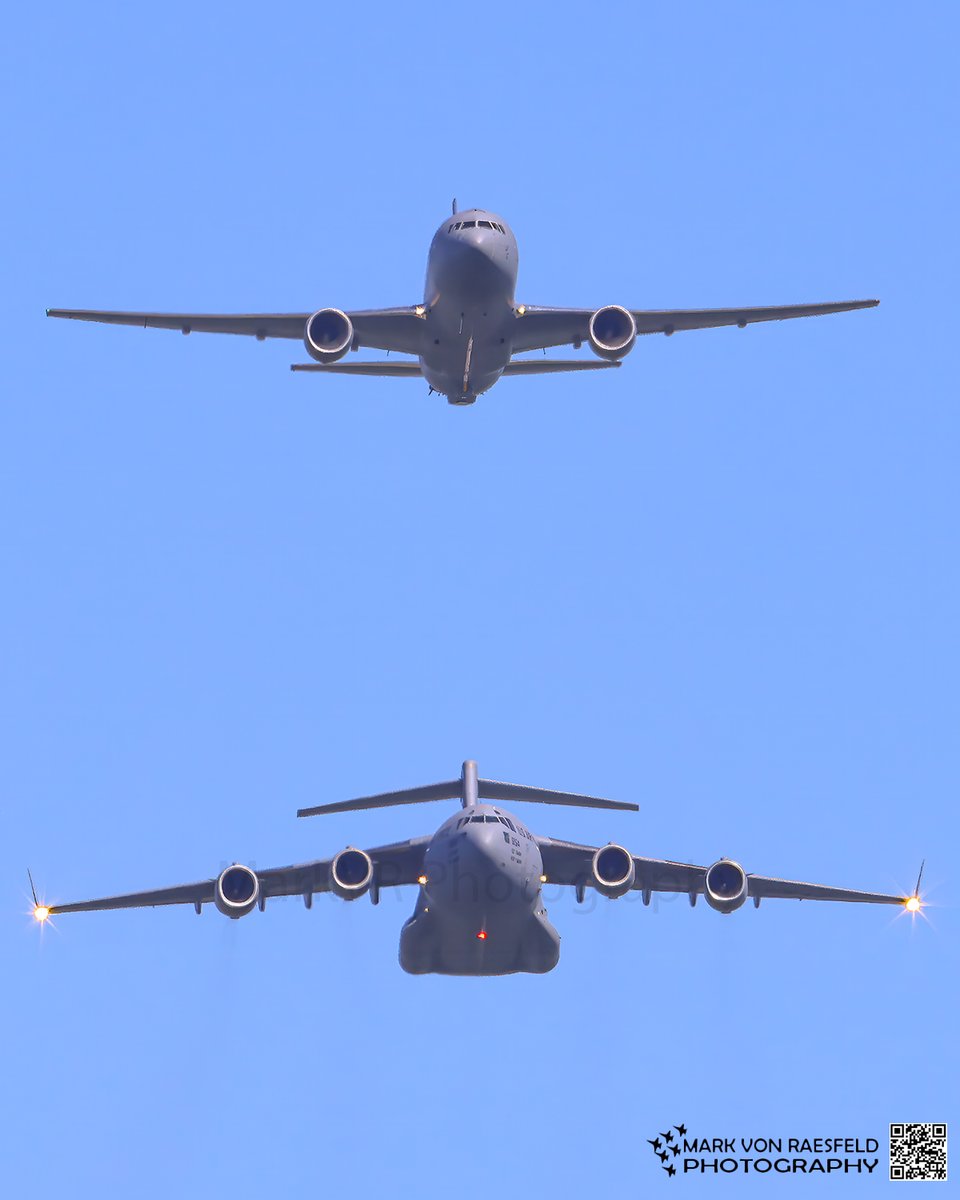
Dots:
pixel 40 911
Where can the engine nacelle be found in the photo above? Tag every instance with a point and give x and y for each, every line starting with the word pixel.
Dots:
pixel 328 335
pixel 613 871
pixel 612 332
pixel 351 873
pixel 236 891
pixel 725 886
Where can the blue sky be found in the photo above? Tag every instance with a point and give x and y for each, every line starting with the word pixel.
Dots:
pixel 721 582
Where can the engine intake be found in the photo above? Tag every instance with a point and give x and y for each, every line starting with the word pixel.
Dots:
pixel 236 891
pixel 328 335
pixel 725 886
pixel 612 332
pixel 613 871
pixel 351 873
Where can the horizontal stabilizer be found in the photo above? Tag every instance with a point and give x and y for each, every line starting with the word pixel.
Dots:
pixel 549 366
pixel 469 789
pixel 403 367
pixel 432 791
pixel 492 789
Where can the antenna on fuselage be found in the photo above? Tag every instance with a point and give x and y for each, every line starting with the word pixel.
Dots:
pixel 469 789
pixel 454 206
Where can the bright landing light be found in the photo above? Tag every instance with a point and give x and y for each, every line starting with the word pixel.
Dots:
pixel 41 912
pixel 912 904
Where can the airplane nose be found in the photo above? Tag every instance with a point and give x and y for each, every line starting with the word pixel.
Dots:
pixel 478 846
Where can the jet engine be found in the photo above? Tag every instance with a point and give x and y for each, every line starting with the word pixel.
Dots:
pixel 612 332
pixel 328 335
pixel 725 886
pixel 351 873
pixel 236 891
pixel 613 871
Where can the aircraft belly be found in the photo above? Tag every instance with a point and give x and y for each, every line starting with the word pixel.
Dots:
pixel 469 321
pixel 433 945
pixel 479 912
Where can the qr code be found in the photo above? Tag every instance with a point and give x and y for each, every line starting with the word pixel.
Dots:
pixel 918 1152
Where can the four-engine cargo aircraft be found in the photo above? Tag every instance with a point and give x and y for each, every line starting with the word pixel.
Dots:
pixel 467 331
pixel 479 910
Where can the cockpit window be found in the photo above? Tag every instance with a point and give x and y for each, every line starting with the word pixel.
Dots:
pixel 468 225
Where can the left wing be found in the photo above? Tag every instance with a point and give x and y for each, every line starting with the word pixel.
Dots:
pixel 537 328
pixel 569 863
pixel 397 864
pixel 398 329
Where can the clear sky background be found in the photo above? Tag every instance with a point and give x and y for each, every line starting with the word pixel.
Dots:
pixel 721 582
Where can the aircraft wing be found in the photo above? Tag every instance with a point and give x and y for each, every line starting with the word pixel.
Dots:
pixel 538 328
pixel 397 864
pixel 399 329
pixel 569 863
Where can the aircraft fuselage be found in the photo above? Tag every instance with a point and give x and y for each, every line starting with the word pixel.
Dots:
pixel 469 303
pixel 480 909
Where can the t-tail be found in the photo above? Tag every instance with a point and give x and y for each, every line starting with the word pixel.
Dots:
pixel 469 789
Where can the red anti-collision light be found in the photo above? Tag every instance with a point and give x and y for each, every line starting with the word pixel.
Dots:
pixel 482 935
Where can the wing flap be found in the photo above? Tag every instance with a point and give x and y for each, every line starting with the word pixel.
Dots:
pixel 399 329
pixel 259 325
pixel 187 893
pixel 569 863
pixel 397 864
pixel 673 320
pixel 539 328
pixel 761 888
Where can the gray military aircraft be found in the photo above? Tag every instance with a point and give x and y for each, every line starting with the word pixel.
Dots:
pixel 467 331
pixel 479 909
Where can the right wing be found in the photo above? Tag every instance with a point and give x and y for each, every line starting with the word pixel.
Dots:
pixel 397 864
pixel 399 329
pixel 538 328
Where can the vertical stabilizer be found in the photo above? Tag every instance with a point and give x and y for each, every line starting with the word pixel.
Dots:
pixel 469 784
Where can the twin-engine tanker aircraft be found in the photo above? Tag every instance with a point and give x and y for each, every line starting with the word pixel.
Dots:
pixel 479 909
pixel 467 331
